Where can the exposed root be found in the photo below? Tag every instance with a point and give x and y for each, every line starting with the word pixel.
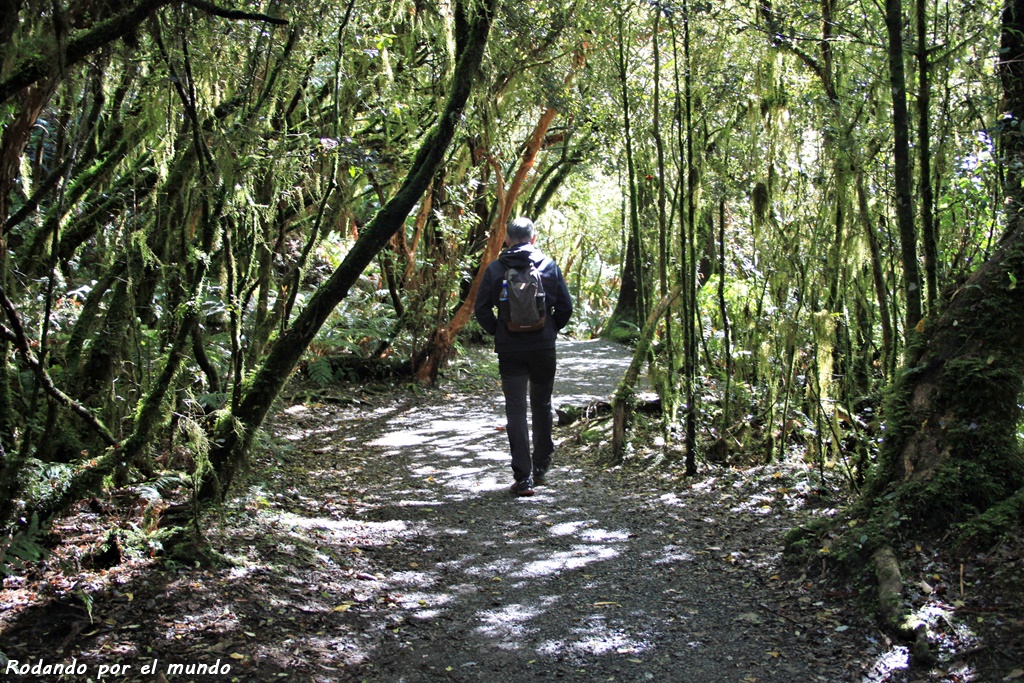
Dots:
pixel 890 605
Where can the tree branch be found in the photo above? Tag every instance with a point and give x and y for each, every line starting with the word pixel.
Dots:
pixel 16 334
pixel 234 14
pixel 79 48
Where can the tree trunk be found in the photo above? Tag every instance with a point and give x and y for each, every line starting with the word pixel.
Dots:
pixel 632 305
pixel 101 33
pixel 924 156
pixel 688 248
pixel 953 416
pixel 901 169
pixel 877 276
pixel 624 322
pixel 624 393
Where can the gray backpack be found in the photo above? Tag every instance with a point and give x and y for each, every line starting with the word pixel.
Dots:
pixel 522 302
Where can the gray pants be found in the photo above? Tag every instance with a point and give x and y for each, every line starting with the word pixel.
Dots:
pixel 528 373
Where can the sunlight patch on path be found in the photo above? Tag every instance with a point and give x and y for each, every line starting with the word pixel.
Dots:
pixel 595 637
pixel 585 379
pixel 507 625
pixel 575 558
pixel 461 449
pixel 456 452
pixel 392 527
pixel 673 553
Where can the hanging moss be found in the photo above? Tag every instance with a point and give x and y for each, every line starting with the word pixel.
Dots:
pixel 6 406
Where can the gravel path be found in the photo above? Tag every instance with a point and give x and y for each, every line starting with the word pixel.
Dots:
pixel 599 577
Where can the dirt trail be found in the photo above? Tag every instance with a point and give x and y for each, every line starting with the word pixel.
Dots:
pixel 597 577
pixel 376 541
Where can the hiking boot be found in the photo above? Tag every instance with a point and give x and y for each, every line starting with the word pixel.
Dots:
pixel 538 477
pixel 522 488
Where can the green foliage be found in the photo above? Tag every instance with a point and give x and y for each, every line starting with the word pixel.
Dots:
pixel 144 542
pixel 320 372
pixel 305 135
pixel 40 480
pixel 21 548
pixel 804 543
pixel 621 332
pixel 87 600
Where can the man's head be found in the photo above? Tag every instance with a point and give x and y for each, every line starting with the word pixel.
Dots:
pixel 520 231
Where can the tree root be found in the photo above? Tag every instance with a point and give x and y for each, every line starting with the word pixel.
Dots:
pixel 890 605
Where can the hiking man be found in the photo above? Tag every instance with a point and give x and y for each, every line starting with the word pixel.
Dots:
pixel 526 359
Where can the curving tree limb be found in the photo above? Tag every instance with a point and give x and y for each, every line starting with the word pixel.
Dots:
pixel 102 33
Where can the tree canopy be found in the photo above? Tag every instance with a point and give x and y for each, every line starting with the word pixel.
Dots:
pixel 199 201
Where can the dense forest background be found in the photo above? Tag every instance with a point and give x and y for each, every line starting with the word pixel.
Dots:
pixel 784 207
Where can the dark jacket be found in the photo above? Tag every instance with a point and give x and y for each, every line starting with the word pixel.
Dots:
pixel 556 294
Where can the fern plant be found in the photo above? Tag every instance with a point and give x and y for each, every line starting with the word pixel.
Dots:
pixel 21 548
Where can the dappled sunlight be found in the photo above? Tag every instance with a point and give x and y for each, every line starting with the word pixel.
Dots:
pixel 554 558
pixel 946 633
pixel 595 637
pixel 507 625
pixel 672 500
pixel 674 553
pixel 401 440
pixel 441 434
pixel 565 528
pixel 895 659
pixel 400 552
pixel 412 578
pixel 585 379
pixel 597 535
pixel 576 557
pixel 390 528
pixel 462 456
pixel 461 453
pixel 426 605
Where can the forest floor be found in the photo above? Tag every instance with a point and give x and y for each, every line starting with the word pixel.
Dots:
pixel 375 540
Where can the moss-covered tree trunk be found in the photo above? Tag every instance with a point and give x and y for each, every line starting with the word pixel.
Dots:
pixel 953 415
pixel 625 393
pixel 629 314
pixel 624 323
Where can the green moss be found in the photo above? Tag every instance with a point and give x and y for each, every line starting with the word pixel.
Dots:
pixel 1001 520
pixel 801 544
pixel 621 333
pixel 196 553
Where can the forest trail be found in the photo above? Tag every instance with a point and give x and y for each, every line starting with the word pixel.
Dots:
pixel 598 577
pixel 376 541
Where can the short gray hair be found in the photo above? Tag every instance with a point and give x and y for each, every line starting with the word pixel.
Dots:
pixel 520 230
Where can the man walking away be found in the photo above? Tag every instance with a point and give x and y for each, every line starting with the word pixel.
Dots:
pixel 526 359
